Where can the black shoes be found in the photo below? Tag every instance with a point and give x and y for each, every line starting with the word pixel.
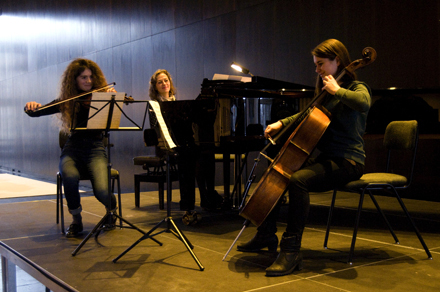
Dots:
pixel 211 202
pixel 260 241
pixel 289 259
pixel 74 230
pixel 285 264
pixel 191 218
pixel 110 224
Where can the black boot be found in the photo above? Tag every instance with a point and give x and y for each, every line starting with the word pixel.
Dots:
pixel 289 258
pixel 260 241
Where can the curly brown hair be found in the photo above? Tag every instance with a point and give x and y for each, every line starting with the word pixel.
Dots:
pixel 153 93
pixel 331 49
pixel 70 89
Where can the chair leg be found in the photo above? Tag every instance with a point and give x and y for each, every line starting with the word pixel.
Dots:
pixel 413 225
pixel 118 181
pixel 60 207
pixel 137 183
pixel 356 226
pixel 383 216
pixel 330 215
pixel 58 197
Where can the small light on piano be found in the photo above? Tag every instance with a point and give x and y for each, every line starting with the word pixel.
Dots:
pixel 283 89
pixel 303 89
pixel 392 88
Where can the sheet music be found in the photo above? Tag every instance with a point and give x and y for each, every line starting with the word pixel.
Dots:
pixel 163 126
pixel 99 121
pixel 231 77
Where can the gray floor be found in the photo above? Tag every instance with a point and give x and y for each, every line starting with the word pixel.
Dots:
pixel 29 227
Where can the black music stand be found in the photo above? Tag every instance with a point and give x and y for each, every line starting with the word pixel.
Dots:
pixel 111 103
pixel 171 226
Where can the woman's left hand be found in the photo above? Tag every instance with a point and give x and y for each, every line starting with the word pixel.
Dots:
pixel 111 89
pixel 330 84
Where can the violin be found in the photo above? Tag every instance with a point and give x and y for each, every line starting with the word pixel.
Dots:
pixel 110 85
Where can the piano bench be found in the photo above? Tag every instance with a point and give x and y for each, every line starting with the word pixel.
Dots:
pixel 156 173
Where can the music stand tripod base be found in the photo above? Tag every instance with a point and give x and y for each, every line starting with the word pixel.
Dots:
pixel 171 226
pixel 97 229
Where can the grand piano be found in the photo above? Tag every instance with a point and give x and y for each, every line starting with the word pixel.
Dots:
pixel 243 109
pixel 231 114
pixel 229 117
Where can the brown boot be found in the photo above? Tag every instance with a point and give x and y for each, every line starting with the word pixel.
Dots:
pixel 260 241
pixel 289 259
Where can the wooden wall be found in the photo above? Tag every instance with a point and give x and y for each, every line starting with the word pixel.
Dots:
pixel 193 39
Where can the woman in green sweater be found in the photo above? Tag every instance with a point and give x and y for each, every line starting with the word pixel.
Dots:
pixel 341 158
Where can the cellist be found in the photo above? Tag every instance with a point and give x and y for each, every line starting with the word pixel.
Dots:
pixel 341 158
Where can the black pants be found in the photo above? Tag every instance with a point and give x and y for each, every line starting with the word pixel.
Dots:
pixel 186 163
pixel 317 175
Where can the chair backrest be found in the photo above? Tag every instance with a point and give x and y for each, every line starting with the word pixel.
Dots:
pixel 402 135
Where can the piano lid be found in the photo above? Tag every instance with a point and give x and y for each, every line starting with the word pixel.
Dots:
pixel 258 87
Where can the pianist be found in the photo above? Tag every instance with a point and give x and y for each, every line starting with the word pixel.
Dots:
pixel 192 161
pixel 341 159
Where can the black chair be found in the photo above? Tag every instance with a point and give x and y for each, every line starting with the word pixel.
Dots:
pixel 60 210
pixel 400 137
pixel 155 167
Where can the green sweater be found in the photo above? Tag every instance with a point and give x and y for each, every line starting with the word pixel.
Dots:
pixel 349 108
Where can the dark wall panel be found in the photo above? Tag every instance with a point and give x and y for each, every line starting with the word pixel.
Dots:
pixel 189 62
pixel 131 39
pixel 140 14
pixel 219 45
pixel 164 53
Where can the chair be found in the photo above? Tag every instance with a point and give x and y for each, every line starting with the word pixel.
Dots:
pixel 400 137
pixel 114 176
pixel 155 167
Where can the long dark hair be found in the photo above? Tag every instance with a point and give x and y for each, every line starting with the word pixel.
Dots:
pixel 70 89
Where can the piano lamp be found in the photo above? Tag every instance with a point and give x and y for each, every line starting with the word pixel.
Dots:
pixel 241 68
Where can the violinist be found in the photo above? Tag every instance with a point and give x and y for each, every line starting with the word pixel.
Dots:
pixel 341 156
pixel 84 152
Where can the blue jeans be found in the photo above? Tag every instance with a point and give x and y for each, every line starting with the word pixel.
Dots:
pixel 85 158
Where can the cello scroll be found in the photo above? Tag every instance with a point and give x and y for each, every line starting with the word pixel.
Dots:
pixel 368 56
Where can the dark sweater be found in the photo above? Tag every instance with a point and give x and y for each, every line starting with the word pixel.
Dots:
pixel 349 109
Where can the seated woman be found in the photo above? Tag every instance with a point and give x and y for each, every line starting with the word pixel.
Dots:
pixel 84 152
pixel 193 162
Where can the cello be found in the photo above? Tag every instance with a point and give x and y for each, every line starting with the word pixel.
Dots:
pixel 306 131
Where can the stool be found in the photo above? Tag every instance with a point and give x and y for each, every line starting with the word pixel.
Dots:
pixel 156 173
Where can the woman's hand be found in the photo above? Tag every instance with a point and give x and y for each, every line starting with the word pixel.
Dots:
pixel 32 105
pixel 330 84
pixel 111 89
pixel 273 129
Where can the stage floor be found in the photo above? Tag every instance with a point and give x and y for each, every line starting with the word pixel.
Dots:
pixel 29 226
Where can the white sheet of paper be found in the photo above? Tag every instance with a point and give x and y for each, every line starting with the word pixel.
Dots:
pixel 163 126
pixel 100 120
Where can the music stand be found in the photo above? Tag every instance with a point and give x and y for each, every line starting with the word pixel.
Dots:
pixel 105 121
pixel 171 226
